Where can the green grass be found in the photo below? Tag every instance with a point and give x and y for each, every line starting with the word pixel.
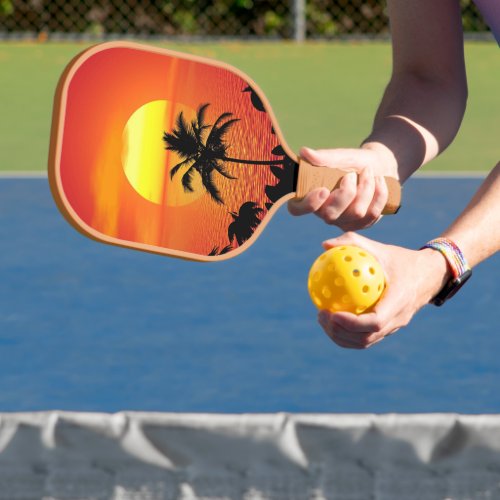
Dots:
pixel 324 95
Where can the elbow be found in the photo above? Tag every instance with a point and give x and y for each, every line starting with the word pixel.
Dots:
pixel 462 95
pixel 456 96
pixel 445 85
pixel 445 94
pixel 459 94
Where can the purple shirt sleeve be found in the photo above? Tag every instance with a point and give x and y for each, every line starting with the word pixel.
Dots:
pixel 490 9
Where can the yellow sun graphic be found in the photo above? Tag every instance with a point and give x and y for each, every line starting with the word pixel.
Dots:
pixel 145 160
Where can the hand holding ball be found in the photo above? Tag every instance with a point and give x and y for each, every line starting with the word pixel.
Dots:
pixel 346 278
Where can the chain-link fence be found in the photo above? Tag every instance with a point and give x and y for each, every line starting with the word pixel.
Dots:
pixel 206 18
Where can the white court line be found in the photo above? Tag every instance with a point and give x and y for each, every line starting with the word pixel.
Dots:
pixel 34 174
pixel 454 174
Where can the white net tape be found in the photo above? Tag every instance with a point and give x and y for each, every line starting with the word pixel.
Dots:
pixel 155 456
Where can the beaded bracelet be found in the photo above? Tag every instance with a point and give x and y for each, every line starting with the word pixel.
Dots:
pixel 452 254
pixel 457 263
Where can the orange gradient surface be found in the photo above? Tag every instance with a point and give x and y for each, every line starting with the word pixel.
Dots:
pixel 102 95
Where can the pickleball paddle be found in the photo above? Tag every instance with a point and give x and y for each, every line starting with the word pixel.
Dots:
pixel 172 153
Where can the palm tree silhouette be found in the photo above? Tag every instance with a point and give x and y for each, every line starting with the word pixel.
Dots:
pixel 204 152
pixel 216 251
pixel 245 222
pixel 255 99
pixel 285 174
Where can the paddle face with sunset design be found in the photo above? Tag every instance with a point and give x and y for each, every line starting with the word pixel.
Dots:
pixel 170 153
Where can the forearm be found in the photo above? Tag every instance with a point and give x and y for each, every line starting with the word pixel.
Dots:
pixel 477 230
pixel 416 121
pixel 424 103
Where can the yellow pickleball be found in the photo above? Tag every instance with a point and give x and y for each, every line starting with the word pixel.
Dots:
pixel 346 278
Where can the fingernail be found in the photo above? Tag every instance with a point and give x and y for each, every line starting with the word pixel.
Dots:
pixel 349 178
pixel 323 194
pixel 306 150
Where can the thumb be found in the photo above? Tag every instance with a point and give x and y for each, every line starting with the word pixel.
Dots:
pixel 313 156
pixel 349 159
pixel 349 238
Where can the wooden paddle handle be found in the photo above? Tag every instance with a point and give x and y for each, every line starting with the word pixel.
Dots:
pixel 311 177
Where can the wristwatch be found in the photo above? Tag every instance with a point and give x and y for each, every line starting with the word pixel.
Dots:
pixel 460 270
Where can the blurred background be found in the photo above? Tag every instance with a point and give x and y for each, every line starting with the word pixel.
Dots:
pixel 282 19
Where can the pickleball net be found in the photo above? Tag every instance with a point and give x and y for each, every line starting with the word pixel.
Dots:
pixel 159 456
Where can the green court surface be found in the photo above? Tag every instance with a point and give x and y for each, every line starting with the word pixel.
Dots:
pixel 324 95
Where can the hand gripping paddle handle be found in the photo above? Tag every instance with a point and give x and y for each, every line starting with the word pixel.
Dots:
pixel 311 177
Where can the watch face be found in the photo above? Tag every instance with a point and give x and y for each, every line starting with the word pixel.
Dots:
pixel 451 288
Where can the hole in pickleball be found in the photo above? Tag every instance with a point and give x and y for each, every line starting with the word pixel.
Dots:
pixel 339 281
pixel 348 258
pixel 317 276
pixel 379 287
pixel 317 300
pixel 346 299
pixel 362 254
pixel 327 293
pixel 366 289
pixel 356 273
pixel 372 270
pixel 360 309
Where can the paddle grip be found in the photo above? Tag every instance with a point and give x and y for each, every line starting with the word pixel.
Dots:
pixel 311 177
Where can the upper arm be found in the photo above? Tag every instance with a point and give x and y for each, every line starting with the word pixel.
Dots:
pixel 427 40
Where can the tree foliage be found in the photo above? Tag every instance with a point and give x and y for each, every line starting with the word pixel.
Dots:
pixel 215 18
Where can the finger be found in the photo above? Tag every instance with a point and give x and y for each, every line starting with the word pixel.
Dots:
pixel 380 197
pixel 373 342
pixel 365 191
pixel 338 334
pixel 354 341
pixel 361 340
pixel 310 203
pixel 342 341
pixel 353 159
pixel 358 224
pixel 351 339
pixel 348 338
pixel 344 344
pixel 373 339
pixel 384 319
pixel 314 157
pixel 374 211
pixel 339 199
pixel 366 208
pixel 362 324
pixel 358 215
pixel 348 238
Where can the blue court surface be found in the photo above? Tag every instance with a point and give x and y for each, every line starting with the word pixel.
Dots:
pixel 90 327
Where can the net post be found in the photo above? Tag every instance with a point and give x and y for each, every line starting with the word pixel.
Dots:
pixel 299 20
